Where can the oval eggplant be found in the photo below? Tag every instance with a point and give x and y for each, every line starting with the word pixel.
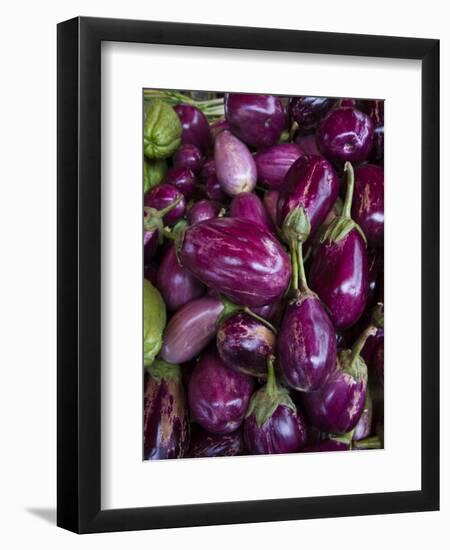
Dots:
pixel 203 210
pixel 307 111
pixel 207 445
pixel 163 197
pixel 273 164
pixel 166 419
pixel 218 396
pixel 244 344
pixel 195 127
pixel 177 286
pixel 235 167
pixel 154 322
pixel 248 206
pixel 190 156
pixel 368 202
pixel 256 119
pixel 183 178
pixel 237 258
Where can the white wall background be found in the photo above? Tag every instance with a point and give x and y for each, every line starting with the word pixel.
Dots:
pixel 28 270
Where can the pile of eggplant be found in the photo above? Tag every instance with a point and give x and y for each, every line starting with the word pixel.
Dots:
pixel 264 274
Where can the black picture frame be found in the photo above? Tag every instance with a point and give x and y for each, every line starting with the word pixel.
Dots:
pixel 79 281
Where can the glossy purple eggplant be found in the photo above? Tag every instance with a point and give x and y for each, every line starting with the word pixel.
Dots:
pixel 273 164
pixel 166 418
pixel 256 119
pixel 150 244
pixel 337 406
pixel 345 134
pixel 163 196
pixel 244 344
pixel 339 266
pixel 237 258
pixel 307 143
pixel 375 109
pixel 190 156
pixel 183 178
pixel 195 127
pixel 374 271
pixel 235 166
pixel 271 203
pixel 248 206
pixel 307 111
pixel 177 285
pixel 207 445
pixel 214 190
pixel 218 396
pixel 368 202
pixel 203 210
pixel 273 425
pixel 363 428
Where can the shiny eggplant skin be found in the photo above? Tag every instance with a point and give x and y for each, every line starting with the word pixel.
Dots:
pixel 256 119
pixel 364 426
pixel 163 195
pixel 270 201
pixel 195 127
pixel 311 183
pixel 375 109
pixel 150 244
pixel 345 134
pixel 368 202
pixel 307 143
pixel 308 111
pixel 207 445
pixel 183 178
pixel 203 210
pixel 248 206
pixel 237 258
pixel 244 344
pixel 191 329
pixel 273 164
pixel 218 396
pixel 166 419
pixel 190 156
pixel 306 343
pixel 235 167
pixel 176 284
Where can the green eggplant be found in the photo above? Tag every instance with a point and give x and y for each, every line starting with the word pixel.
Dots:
pixel 154 322
pixel 162 131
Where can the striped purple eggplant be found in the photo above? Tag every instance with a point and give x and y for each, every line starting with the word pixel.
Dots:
pixel 368 202
pixel 249 206
pixel 207 445
pixel 195 127
pixel 273 164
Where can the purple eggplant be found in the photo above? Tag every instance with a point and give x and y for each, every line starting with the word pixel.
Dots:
pixel 345 135
pixel 368 202
pixel 244 344
pixel 235 167
pixel 207 445
pixel 166 419
pixel 195 127
pixel 218 396
pixel 190 156
pixel 337 406
pixel 307 143
pixel 374 271
pixel 177 286
pixel 203 210
pixel 272 164
pixel 150 244
pixel 273 425
pixel 271 203
pixel 256 119
pixel 363 428
pixel 183 178
pixel 309 191
pixel 208 169
pixel 218 126
pixel 237 258
pixel 166 198
pixel 375 109
pixel 248 206
pixel 339 266
pixel 378 362
pixel 191 329
pixel 308 111
pixel 214 190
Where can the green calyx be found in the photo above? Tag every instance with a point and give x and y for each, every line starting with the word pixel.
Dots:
pixel 373 442
pixel 229 308
pixel 177 234
pixel 153 219
pixel 162 131
pixel 155 318
pixel 296 226
pixel 351 360
pixel 161 370
pixel 266 400
pixel 378 315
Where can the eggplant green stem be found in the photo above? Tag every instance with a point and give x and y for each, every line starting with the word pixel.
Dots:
pixel 271 385
pixel 361 341
pixel 347 209
pixel 210 107
pixel 373 442
pixel 294 261
pixel 265 322
pixel 301 268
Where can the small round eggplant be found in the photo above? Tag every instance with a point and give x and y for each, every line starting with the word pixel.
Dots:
pixel 337 406
pixel 244 344
pixel 190 156
pixel 203 210
pixel 368 202
pixel 345 135
pixel 339 266
pixel 273 425
pixel 214 190
pixel 273 164
pixel 207 445
pixel 308 111
pixel 177 286
pixel 256 119
pixel 235 167
pixel 195 127
pixel 218 396
pixel 183 178
pixel 163 197
pixel 166 419
pixel 237 258
pixel 248 206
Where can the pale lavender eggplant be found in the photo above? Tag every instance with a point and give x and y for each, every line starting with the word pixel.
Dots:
pixel 244 344
pixel 195 127
pixel 176 284
pixel 235 166
pixel 162 196
pixel 345 135
pixel 203 210
pixel 270 200
pixel 191 329
pixel 207 445
pixel 183 178
pixel 214 190
pixel 272 164
pixel 307 143
pixel 307 111
pixel 237 258
pixel 248 206
pixel 256 119
pixel 190 156
pixel 368 202
pixel 218 396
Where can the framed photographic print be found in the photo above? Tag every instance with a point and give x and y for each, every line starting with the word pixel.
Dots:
pixel 248 259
